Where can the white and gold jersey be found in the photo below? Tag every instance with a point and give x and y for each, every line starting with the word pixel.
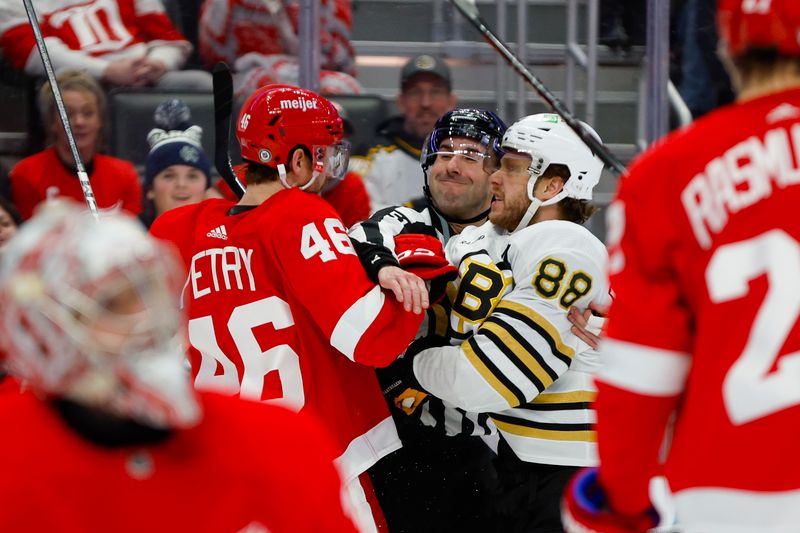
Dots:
pixel 519 361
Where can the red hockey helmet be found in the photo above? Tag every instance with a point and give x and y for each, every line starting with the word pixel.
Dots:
pixel 760 24
pixel 277 118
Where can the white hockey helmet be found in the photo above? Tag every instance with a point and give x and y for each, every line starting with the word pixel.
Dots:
pixel 90 311
pixel 548 139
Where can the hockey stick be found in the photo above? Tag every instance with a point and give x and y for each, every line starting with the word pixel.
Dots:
pixel 470 11
pixel 223 106
pixel 83 177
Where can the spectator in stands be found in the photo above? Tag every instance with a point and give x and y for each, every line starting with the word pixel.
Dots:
pixel 52 172
pixel 260 40
pixel 9 222
pixel 394 176
pixel 177 170
pixel 704 83
pixel 122 43
pixel 623 23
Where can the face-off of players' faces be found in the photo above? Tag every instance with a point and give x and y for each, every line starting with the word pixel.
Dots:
pixel 509 187
pixel 458 181
pixel 177 185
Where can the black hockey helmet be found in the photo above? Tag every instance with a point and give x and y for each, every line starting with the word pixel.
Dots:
pixel 477 124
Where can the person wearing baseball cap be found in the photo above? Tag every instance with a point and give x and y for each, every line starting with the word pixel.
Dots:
pixel 393 176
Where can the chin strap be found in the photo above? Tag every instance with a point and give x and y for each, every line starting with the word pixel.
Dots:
pixel 282 178
pixel 536 204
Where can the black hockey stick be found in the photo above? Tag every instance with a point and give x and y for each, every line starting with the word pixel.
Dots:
pixel 83 177
pixel 223 106
pixel 470 11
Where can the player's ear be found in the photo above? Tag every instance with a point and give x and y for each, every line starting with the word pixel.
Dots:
pixel 299 163
pixel 553 186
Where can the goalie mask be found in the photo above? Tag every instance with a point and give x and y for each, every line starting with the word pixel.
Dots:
pixel 482 127
pixel 89 312
pixel 276 119
pixel 545 139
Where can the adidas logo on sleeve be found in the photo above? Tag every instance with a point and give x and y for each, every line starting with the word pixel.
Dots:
pixel 218 233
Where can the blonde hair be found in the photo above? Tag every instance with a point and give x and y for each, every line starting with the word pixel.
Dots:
pixel 70 80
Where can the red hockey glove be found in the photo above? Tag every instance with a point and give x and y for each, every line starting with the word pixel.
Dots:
pixel 584 509
pixel 423 255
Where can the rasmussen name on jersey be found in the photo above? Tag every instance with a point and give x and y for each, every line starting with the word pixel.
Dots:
pixel 742 176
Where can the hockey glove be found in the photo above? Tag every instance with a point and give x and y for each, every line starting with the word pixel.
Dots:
pixel 403 389
pixel 423 255
pixel 584 509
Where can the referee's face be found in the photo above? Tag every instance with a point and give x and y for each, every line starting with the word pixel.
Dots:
pixel 458 182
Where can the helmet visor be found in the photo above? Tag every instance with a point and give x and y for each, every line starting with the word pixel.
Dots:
pixel 332 160
pixel 468 151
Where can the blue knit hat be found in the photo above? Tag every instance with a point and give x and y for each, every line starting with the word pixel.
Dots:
pixel 176 147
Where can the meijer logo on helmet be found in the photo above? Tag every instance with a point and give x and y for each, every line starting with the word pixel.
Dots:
pixel 299 103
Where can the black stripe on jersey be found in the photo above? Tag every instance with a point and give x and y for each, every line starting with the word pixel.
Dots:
pixel 528 321
pixel 548 426
pixel 512 356
pixel 467 427
pixel 436 410
pixel 528 348
pixel 499 376
pixel 483 421
pixel 573 406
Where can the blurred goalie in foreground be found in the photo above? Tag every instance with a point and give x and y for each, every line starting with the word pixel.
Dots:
pixel 107 430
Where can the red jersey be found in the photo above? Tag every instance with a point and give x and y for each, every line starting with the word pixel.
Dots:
pixel 244 468
pixel 281 311
pixel 348 197
pixel 704 238
pixel 43 176
pixel 87 34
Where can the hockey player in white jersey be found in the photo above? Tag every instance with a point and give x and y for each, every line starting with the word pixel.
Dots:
pixel 519 360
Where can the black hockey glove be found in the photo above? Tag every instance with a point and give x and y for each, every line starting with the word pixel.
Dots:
pixel 403 390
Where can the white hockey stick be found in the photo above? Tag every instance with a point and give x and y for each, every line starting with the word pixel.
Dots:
pixel 470 11
pixel 83 177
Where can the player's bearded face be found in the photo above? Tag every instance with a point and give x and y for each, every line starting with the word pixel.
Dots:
pixel 509 187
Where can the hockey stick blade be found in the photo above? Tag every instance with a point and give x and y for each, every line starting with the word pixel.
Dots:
pixel 223 106
pixel 469 9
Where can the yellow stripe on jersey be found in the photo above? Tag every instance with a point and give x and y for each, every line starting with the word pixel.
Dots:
pixel 566 397
pixel 488 375
pixel 546 434
pixel 543 324
pixel 524 356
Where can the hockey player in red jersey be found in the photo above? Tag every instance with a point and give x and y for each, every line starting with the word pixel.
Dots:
pixel 281 310
pixel 703 233
pixel 109 434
